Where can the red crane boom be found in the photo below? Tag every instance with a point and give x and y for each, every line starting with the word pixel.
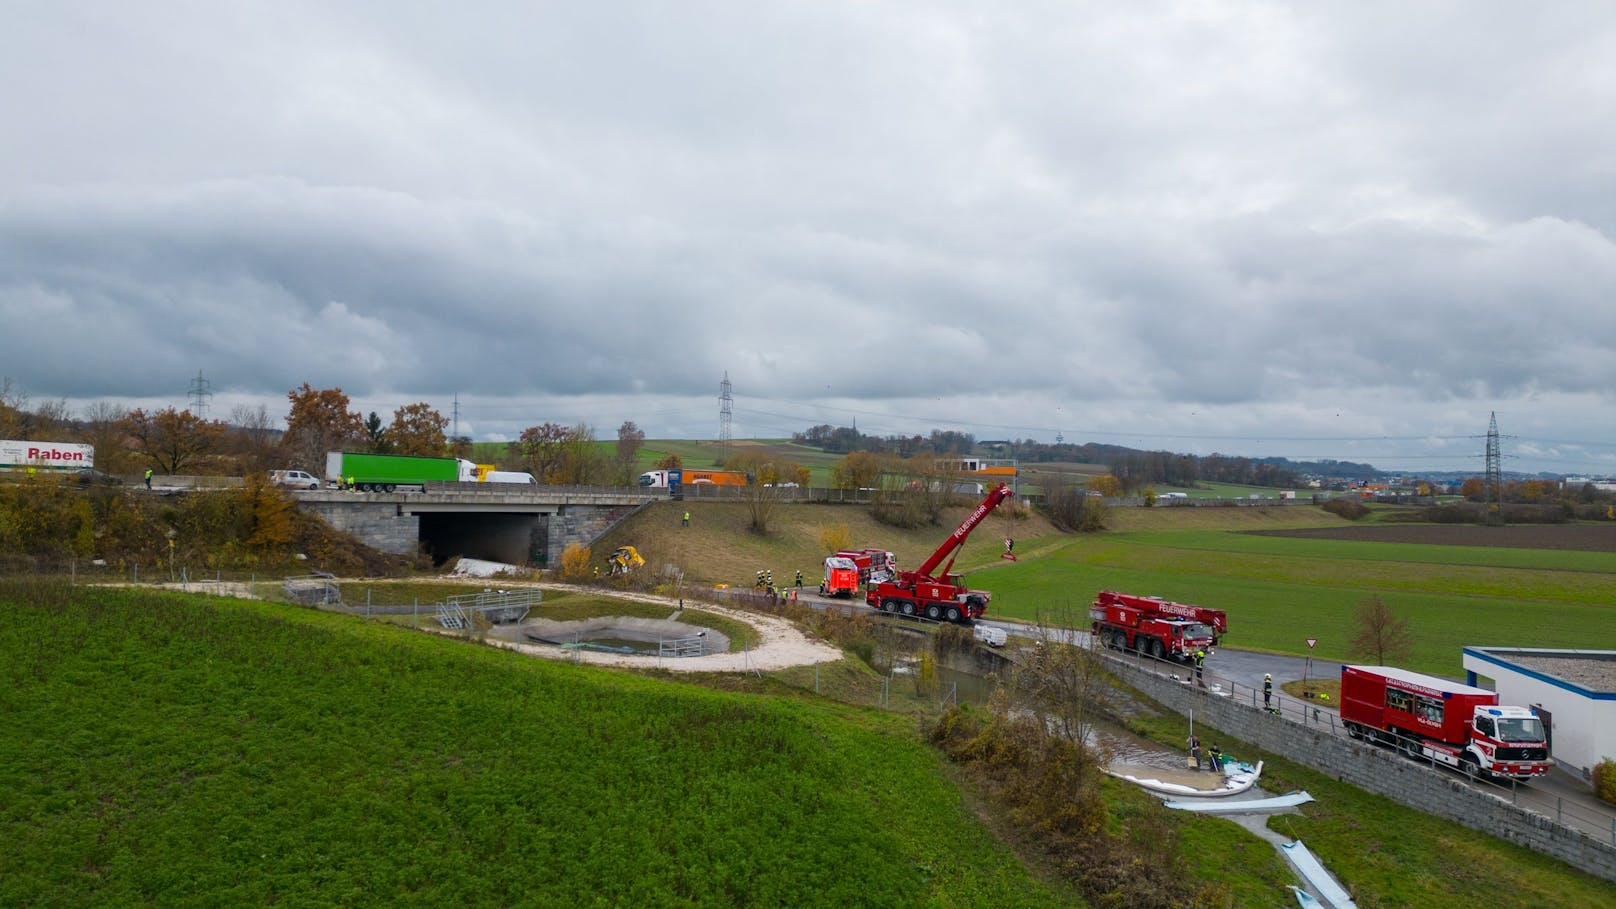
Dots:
pixel 939 595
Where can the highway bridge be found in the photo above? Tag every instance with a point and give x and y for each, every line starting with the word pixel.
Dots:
pixel 499 522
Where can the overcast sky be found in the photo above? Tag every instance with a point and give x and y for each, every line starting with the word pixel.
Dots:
pixel 1349 230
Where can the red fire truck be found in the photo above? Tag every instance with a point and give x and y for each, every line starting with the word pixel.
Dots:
pixel 1443 721
pixel 841 577
pixel 1156 627
pixel 943 595
pixel 874 565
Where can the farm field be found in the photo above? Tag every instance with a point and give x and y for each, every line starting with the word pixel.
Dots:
pixel 166 749
pixel 1283 573
pixel 1283 585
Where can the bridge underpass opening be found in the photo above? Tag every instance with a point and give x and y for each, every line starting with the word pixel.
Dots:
pixel 495 536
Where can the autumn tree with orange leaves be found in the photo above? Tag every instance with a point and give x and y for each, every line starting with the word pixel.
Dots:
pixel 319 421
pixel 418 429
pixel 172 440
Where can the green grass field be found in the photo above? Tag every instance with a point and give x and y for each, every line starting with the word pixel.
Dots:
pixel 1279 592
pixel 174 750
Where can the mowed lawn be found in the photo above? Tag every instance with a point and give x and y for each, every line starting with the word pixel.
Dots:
pixel 176 750
pixel 1280 591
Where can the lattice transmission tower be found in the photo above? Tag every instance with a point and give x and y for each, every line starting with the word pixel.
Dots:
pixel 1494 492
pixel 725 413
pixel 199 395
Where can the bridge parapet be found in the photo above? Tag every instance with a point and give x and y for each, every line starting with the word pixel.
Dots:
pixel 488 493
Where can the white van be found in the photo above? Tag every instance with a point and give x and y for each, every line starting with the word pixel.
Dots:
pixel 991 635
pixel 510 476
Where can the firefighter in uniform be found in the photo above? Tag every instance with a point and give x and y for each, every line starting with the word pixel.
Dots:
pixel 1200 669
pixel 1267 690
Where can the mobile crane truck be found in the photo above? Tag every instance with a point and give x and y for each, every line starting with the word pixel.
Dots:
pixel 1156 627
pixel 942 595
pixel 1443 721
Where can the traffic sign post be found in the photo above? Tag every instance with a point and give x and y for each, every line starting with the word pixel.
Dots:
pixel 1307 667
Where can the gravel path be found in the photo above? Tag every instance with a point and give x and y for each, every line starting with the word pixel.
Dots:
pixel 781 644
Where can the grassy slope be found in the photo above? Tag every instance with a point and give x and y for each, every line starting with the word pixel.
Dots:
pixel 718 547
pixel 179 751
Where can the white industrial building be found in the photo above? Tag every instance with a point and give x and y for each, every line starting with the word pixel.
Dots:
pixel 1573 690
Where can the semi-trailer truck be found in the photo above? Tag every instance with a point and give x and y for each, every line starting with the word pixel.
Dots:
pixel 673 479
pixel 386 473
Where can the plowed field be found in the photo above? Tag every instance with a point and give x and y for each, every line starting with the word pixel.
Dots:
pixel 1581 537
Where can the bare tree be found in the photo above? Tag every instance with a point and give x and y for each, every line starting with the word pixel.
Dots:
pixel 13 410
pixel 106 429
pixel 1379 634
pixel 761 501
pixel 1062 685
pixel 629 440
pixel 254 431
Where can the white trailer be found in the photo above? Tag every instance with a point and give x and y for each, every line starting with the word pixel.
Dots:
pixel 18 454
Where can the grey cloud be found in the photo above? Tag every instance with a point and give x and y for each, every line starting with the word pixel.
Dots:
pixel 1187 223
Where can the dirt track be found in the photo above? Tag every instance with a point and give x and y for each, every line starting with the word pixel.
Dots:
pixel 1579 537
pixel 780 645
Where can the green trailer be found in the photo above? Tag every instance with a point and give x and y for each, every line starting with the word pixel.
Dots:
pixel 385 473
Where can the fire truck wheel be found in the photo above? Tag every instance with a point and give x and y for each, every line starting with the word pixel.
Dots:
pixel 888 606
pixel 908 607
pixel 933 613
pixel 1353 730
pixel 953 614
pixel 1467 763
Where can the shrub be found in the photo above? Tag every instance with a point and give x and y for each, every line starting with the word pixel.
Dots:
pixel 1605 780
pixel 1346 508
pixel 835 538
pixel 951 639
pixel 575 563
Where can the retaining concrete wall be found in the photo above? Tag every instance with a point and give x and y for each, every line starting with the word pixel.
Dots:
pixel 380 525
pixel 581 524
pixel 1379 770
